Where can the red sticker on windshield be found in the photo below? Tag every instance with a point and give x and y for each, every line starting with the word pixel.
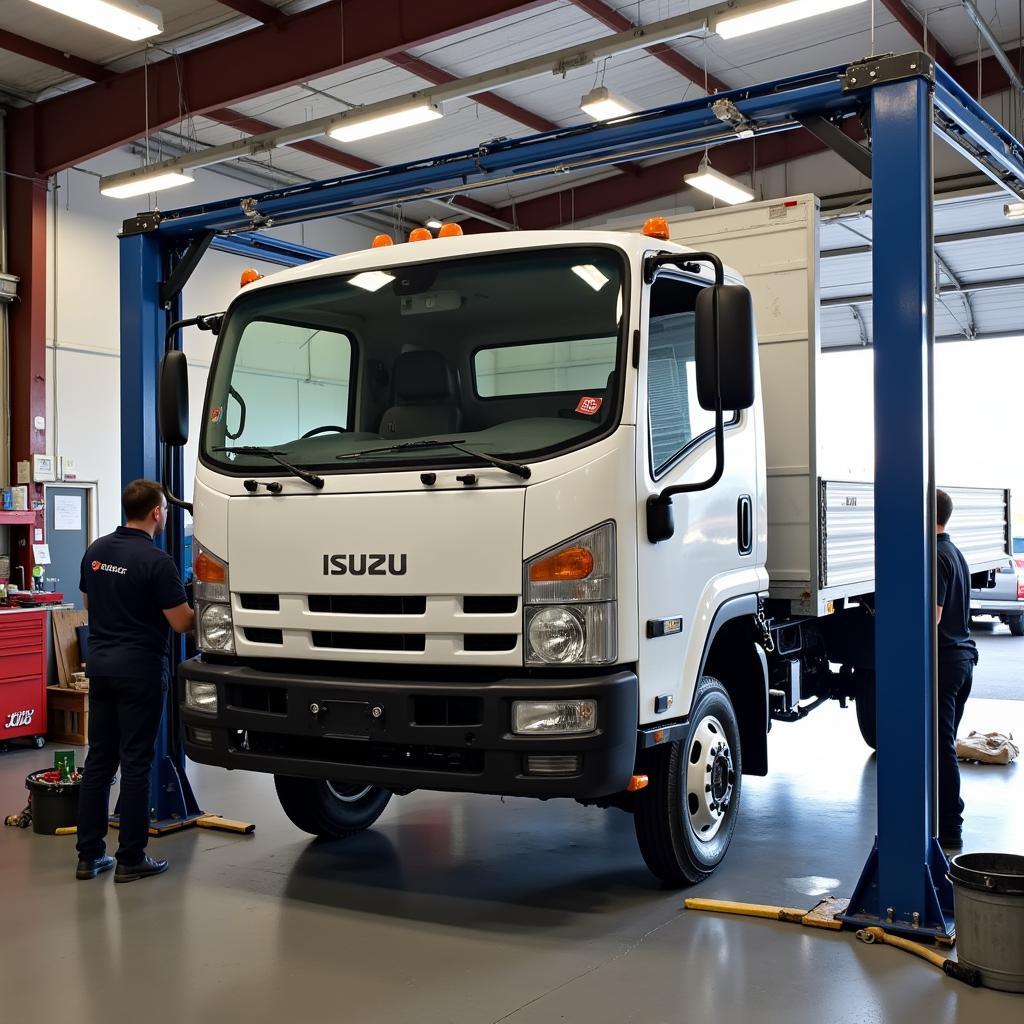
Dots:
pixel 215 414
pixel 588 405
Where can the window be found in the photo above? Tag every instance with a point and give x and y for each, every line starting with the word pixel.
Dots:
pixel 546 368
pixel 674 415
pixel 288 379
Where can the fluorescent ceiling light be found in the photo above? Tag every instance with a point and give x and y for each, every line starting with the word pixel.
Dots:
pixel 371 280
pixel 589 273
pixel 434 224
pixel 123 18
pixel 124 186
pixel 355 126
pixel 1013 210
pixel 772 15
pixel 721 186
pixel 603 105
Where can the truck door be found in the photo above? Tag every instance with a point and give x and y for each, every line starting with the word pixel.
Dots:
pixel 683 580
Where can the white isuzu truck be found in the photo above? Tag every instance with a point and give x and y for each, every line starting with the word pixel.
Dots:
pixel 529 514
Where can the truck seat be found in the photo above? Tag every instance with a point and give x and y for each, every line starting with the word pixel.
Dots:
pixel 425 396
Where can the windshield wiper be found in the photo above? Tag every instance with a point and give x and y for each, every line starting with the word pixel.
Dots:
pixel 268 453
pixel 515 468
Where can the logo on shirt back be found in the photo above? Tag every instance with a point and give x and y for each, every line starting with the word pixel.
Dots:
pixel 119 570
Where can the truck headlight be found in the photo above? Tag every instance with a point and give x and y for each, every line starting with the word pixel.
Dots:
pixel 216 630
pixel 201 696
pixel 553 717
pixel 556 635
pixel 569 601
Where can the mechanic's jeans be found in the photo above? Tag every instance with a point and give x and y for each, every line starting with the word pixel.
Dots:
pixel 124 718
pixel 955 678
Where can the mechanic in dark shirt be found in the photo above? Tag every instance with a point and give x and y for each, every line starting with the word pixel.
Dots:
pixel 135 597
pixel 957 656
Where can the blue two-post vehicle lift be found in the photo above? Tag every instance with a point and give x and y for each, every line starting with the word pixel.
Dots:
pixel 901 101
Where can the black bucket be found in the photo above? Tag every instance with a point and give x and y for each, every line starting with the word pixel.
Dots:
pixel 988 893
pixel 54 805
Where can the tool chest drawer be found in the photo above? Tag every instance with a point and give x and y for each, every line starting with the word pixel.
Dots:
pixel 22 645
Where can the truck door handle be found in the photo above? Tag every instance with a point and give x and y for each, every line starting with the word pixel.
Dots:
pixel 745 524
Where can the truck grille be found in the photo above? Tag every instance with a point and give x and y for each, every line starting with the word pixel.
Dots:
pixel 369 641
pixel 344 604
pixel 436 629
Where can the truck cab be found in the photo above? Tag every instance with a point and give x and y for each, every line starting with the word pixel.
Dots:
pixel 420 532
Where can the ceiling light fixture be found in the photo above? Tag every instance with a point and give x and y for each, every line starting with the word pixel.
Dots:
pixel 354 126
pixel 774 14
pixel 1013 211
pixel 719 185
pixel 124 18
pixel 139 183
pixel 434 224
pixel 603 105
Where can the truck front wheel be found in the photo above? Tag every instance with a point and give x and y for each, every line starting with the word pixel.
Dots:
pixel 865 703
pixel 330 808
pixel 686 815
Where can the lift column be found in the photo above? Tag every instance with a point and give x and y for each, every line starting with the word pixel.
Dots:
pixel 903 886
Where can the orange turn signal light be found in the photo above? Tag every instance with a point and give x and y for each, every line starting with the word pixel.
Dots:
pixel 657 227
pixel 207 570
pixel 575 563
pixel 249 275
pixel 450 231
pixel 637 782
pixel 420 235
pixel 379 241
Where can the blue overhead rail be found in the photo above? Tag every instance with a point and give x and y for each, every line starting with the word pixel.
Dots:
pixel 902 100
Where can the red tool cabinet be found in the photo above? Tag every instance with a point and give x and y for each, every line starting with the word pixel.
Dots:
pixel 23 675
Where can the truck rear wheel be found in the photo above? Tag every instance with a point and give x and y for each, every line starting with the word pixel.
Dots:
pixel 1016 624
pixel 330 808
pixel 686 815
pixel 864 702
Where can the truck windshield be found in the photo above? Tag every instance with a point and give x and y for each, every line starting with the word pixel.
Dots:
pixel 509 354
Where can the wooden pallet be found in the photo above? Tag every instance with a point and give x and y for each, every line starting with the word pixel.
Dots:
pixel 68 713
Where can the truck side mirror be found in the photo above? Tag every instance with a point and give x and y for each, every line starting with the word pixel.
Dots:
pixel 172 403
pixel 737 340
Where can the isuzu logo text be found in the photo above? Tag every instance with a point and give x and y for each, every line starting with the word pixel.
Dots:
pixel 365 565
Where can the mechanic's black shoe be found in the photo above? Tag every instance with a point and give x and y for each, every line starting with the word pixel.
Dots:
pixel 951 843
pixel 92 868
pixel 144 869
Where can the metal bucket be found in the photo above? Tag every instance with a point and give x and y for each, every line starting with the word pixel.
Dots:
pixel 988 894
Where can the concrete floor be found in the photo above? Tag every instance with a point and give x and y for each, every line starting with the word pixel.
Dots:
pixel 471 909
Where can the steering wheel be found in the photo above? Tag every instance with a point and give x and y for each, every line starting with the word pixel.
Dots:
pixel 324 430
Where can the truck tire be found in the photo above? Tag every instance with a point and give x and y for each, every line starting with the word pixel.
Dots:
pixel 864 701
pixel 1016 624
pixel 330 808
pixel 686 815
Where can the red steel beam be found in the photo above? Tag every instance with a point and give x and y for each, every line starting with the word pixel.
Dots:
pixel 914 27
pixel 676 61
pixel 257 10
pixel 437 76
pixel 26 223
pixel 51 57
pixel 322 40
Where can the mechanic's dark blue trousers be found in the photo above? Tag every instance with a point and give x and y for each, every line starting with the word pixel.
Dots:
pixel 124 718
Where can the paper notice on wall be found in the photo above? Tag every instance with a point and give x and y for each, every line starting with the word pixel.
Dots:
pixel 41 554
pixel 67 512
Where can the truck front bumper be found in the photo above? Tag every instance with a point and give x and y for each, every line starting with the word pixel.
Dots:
pixel 418 734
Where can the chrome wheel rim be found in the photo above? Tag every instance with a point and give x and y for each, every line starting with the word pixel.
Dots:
pixel 710 779
pixel 347 792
